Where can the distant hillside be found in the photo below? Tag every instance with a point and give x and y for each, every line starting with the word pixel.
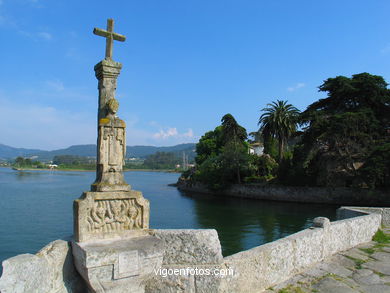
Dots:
pixel 89 150
pixel 7 152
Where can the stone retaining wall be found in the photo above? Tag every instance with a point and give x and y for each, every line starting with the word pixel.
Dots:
pixel 348 212
pixel 336 195
pixel 267 265
pixel 254 270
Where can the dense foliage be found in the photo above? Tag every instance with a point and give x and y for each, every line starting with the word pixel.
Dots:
pixel 21 162
pixel 346 134
pixel 345 141
pixel 161 160
pixel 74 162
pixel 223 158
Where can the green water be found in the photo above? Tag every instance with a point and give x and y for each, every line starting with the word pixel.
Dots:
pixel 36 208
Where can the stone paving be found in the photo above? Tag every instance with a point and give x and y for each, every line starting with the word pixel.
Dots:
pixel 365 268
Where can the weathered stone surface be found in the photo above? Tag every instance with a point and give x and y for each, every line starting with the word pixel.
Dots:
pixel 25 273
pixel 315 272
pixel 110 37
pixel 321 222
pixel 342 261
pixel 305 253
pixel 103 215
pixel 386 249
pixel 335 268
pixel 63 275
pixel 171 283
pixel 51 270
pixel 378 266
pixel 261 267
pixel 117 265
pixel 368 280
pixel 356 253
pixel 328 285
pixel 384 212
pixel 375 289
pixel 382 256
pixel 190 246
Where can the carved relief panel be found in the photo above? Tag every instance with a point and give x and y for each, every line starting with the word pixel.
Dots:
pixel 115 216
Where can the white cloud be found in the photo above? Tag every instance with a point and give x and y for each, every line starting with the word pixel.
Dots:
pixel 189 133
pixel 296 87
pixel 163 134
pixel 173 135
pixel 45 35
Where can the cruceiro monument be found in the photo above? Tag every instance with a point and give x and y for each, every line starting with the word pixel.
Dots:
pixel 114 251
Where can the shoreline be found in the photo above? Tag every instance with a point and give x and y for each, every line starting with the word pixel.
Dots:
pixel 298 194
pixel 84 170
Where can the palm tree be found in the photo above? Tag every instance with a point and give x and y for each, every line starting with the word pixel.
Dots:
pixel 279 120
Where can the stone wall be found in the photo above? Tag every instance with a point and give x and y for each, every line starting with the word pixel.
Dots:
pixel 336 195
pixel 51 270
pixel 261 267
pixel 348 212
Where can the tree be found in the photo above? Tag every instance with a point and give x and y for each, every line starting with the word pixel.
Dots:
pixel 209 145
pixel 231 130
pixel 161 160
pixel 234 136
pixel 343 130
pixel 279 121
pixel 222 155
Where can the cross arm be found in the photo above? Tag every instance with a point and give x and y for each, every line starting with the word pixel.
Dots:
pixel 118 37
pixel 100 32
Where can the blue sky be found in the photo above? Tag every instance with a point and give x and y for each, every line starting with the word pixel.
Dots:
pixel 186 63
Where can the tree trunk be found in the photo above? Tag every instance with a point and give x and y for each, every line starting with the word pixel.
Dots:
pixel 281 149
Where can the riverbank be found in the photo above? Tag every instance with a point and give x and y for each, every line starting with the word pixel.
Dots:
pixel 304 194
pixel 86 170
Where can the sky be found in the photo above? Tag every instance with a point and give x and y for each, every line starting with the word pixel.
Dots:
pixel 186 63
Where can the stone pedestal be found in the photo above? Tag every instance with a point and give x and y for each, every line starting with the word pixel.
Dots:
pixel 110 215
pixel 117 266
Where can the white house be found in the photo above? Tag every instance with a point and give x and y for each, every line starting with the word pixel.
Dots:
pixel 256 148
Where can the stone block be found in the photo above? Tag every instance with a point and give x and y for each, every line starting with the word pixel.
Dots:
pixel 120 264
pixel 308 248
pixel 104 215
pixel 190 246
pixel 51 270
pixel 171 283
pixel 321 222
pixel 260 267
pixel 25 273
pixel 337 237
pixel 358 234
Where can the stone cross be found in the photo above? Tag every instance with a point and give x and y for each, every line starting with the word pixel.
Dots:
pixel 110 36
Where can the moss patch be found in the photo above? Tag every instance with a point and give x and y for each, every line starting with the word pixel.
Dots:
pixel 368 250
pixel 381 237
pixel 358 262
pixel 291 289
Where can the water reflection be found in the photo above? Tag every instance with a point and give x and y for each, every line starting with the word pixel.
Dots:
pixel 245 223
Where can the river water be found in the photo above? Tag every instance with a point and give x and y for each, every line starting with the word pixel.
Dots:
pixel 36 208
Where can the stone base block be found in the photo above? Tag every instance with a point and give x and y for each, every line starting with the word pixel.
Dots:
pixel 107 215
pixel 118 265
